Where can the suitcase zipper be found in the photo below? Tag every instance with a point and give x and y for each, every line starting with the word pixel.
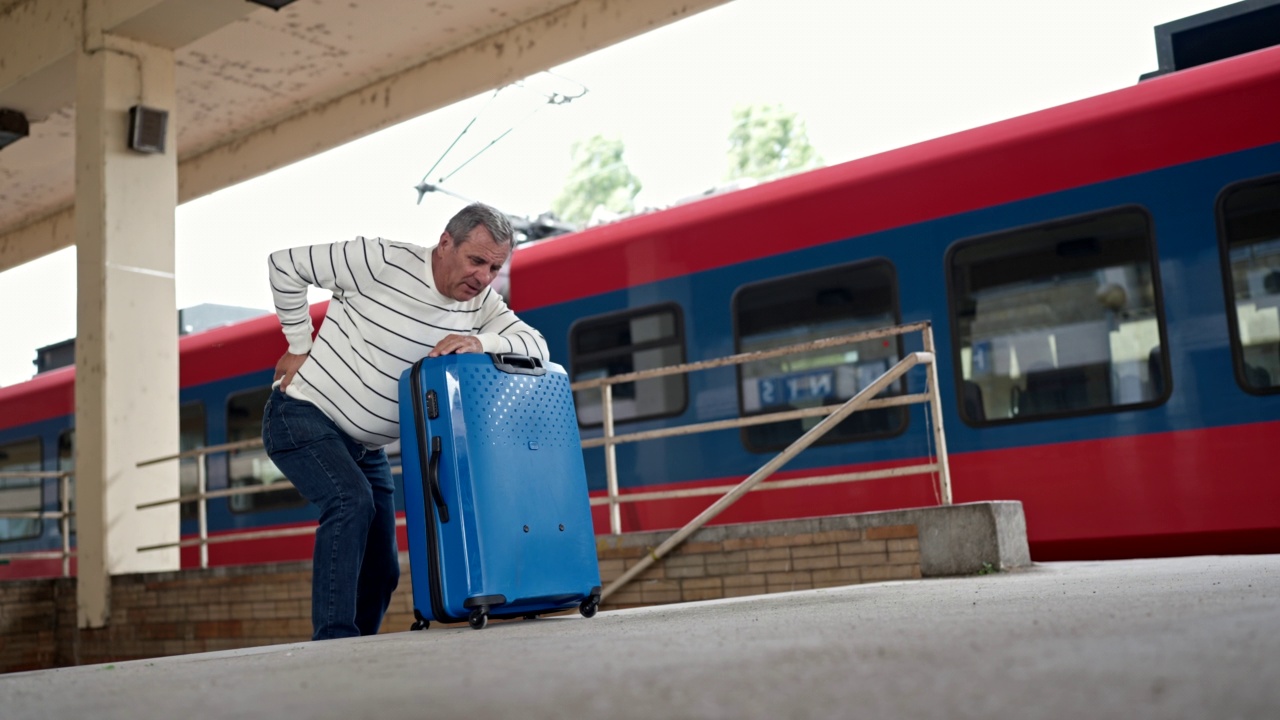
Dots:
pixel 435 567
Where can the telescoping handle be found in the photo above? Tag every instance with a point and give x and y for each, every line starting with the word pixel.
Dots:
pixel 517 364
pixel 433 477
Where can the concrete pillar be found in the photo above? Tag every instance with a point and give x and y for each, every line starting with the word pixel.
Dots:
pixel 127 337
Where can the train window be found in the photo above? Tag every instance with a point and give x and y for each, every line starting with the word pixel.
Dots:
pixel 67 463
pixel 191 435
pixel 812 306
pixel 252 467
pixel 1058 319
pixel 20 494
pixel 1250 221
pixel 619 343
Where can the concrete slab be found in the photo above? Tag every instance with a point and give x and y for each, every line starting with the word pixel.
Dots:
pixel 1179 638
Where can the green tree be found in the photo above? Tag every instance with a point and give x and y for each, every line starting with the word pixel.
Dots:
pixel 767 141
pixel 599 177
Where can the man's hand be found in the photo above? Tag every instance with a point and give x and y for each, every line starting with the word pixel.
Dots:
pixel 457 344
pixel 288 367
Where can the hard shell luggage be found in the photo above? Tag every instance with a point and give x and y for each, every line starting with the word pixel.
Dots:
pixel 496 504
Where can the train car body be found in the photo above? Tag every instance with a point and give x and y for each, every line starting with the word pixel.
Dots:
pixel 1103 280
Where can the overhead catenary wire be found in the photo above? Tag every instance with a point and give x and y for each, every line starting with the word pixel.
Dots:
pixel 552 98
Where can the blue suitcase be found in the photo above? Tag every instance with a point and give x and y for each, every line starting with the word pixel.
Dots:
pixel 496 504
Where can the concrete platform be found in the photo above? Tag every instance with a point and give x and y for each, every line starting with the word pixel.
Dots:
pixel 1178 638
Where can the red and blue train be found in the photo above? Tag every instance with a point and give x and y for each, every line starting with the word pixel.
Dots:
pixel 1103 280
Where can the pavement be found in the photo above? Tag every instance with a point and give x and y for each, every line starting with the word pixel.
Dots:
pixel 1194 637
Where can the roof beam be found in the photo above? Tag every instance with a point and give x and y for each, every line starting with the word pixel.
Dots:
pixel 35 240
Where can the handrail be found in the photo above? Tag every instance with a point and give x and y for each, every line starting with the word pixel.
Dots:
pixel 63 515
pixel 857 402
pixel 610 440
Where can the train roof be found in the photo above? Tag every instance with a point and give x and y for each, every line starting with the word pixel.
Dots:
pixel 1157 123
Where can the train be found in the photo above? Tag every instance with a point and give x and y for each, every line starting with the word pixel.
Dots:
pixel 1102 279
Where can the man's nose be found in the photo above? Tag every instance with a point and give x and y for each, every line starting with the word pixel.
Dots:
pixel 485 275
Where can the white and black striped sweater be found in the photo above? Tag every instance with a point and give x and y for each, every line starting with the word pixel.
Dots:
pixel 385 314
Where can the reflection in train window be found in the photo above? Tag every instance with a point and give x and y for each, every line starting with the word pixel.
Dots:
pixel 1058 319
pixel 252 467
pixel 636 340
pixel 1250 217
pixel 813 306
pixel 20 494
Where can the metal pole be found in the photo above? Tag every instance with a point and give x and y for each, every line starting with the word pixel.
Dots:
pixel 202 513
pixel 817 431
pixel 935 406
pixel 611 460
pixel 64 522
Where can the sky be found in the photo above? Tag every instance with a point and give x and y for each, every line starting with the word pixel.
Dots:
pixel 865 77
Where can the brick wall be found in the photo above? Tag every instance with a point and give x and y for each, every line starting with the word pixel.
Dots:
pixel 731 561
pixel 191 611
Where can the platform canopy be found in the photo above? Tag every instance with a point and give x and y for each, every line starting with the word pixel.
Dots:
pixel 258 89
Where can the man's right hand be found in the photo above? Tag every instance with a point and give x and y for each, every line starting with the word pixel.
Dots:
pixel 288 367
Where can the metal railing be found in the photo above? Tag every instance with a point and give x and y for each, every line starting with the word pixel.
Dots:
pixel 864 400
pixel 203 494
pixel 63 515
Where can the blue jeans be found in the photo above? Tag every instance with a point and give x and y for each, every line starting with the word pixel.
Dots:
pixel 356 564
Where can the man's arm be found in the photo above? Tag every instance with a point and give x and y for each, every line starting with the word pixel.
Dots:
pixel 291 271
pixel 500 331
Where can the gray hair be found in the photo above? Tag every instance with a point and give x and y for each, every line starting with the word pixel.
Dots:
pixel 475 214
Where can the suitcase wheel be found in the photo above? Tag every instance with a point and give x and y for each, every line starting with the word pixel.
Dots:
pixel 589 606
pixel 479 617
pixel 419 622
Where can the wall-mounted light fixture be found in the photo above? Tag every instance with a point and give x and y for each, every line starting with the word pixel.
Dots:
pixel 13 126
pixel 147 128
pixel 273 4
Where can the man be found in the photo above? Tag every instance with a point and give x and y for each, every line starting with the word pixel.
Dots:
pixel 336 405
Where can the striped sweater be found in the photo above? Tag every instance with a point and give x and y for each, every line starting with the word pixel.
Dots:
pixel 385 314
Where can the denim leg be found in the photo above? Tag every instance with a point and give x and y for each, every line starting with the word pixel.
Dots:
pixel 380 571
pixel 318 458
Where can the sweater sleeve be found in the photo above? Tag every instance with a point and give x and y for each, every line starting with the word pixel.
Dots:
pixel 291 271
pixel 500 331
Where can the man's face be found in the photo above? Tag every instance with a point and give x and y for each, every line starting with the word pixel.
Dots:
pixel 463 270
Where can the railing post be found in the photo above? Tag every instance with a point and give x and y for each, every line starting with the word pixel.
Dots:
pixel 64 522
pixel 611 460
pixel 935 407
pixel 202 512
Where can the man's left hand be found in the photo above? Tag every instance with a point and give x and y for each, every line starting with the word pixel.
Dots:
pixel 456 344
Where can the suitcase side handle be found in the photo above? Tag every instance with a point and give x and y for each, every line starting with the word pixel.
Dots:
pixel 433 477
pixel 517 364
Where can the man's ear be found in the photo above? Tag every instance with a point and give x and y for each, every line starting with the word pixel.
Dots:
pixel 445 240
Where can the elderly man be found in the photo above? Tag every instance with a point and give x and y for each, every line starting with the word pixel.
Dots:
pixel 335 403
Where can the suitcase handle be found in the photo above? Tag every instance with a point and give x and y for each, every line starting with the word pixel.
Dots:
pixel 433 476
pixel 517 364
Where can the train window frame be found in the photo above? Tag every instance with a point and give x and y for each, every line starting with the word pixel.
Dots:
pixel 896 305
pixel 39 486
pixel 679 341
pixel 230 501
pixel 1228 284
pixel 1157 288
